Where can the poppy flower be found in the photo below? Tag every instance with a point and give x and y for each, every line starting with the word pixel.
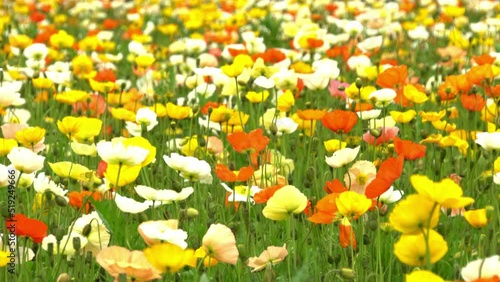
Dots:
pixel 226 175
pixel 272 255
pixel 96 107
pixel 265 194
pixel 422 275
pixel 134 264
pixel 482 270
pixel 484 59
pixel 445 192
pixel 387 134
pixel 286 201
pixel 254 141
pixel 394 77
pixel 311 114
pixel 334 186
pixel 413 249
pixel 389 171
pixel 478 218
pixel 414 213
pixel 340 121
pixel 219 244
pixel 351 204
pixel 78 199
pixel 477 74
pixel 408 149
pixel 473 102
pixel 326 210
pixel 346 235
pixel 23 226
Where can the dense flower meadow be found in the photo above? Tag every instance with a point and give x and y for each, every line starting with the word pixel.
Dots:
pixel 243 140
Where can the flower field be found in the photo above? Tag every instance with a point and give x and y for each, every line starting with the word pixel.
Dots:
pixel 242 140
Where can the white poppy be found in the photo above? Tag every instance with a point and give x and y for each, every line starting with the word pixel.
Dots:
pixel 342 157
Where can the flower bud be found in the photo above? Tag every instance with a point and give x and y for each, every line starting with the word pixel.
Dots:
pixel 375 133
pixel 347 273
pixel 61 201
pixel 86 230
pixel 59 233
pixel 77 243
pixel 192 212
pixel 64 277
pixel 358 83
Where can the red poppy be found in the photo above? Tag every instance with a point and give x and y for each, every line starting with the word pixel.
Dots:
pixel 254 141
pixel 226 175
pixel 315 43
pixel 208 105
pixel 110 24
pixel 334 186
pixel 23 226
pixel 77 199
pixel 346 235
pixel 105 75
pixel 473 102
pixel 37 17
pixel 340 121
pixel 265 194
pixel 389 171
pixel 101 168
pixel 409 149
pixel 394 77
pixel 235 52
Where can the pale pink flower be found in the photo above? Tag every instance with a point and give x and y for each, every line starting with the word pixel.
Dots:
pixel 9 129
pixel 219 243
pixel 134 264
pixel 359 175
pixel 272 255
pixel 214 145
pixel 335 91
pixel 386 135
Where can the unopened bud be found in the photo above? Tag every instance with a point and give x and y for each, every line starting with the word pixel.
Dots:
pixel 77 243
pixel 64 277
pixel 358 83
pixel 192 212
pixel 383 210
pixel 273 128
pixel 86 230
pixel 490 212
pixel 347 273
pixel 375 133
pixel 59 233
pixel 311 174
pixel 61 201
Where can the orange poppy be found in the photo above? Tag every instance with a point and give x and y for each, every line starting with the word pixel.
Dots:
pixel 447 91
pixel 254 141
pixel 493 91
pixel 311 114
pixel 394 77
pixel 408 149
pixel 484 59
pixel 389 171
pixel 326 210
pixel 229 204
pixel 77 199
pixel 473 102
pixel 226 175
pixel 359 107
pixel 460 82
pixel 340 121
pixel 314 42
pixel 334 186
pixel 23 226
pixel 265 194
pixel 346 235
pixel 477 74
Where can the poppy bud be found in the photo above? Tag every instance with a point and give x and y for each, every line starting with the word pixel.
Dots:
pixel 64 277
pixel 490 211
pixel 311 174
pixel 59 233
pixel 372 225
pixel 202 142
pixel 77 243
pixel 50 249
pixel 242 251
pixel 210 110
pixel 269 274
pixel 383 210
pixel 347 273
pixel 366 239
pixel 86 230
pixel 273 128
pixel 61 201
pixel 330 260
pixel 358 83
pixel 375 133
pixel 88 258
pixel 192 212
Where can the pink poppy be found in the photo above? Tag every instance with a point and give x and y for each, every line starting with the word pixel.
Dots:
pixel 335 91
pixel 386 135
pixel 214 145
pixel 219 243
pixel 272 255
pixel 117 260
pixel 96 106
pixel 9 129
